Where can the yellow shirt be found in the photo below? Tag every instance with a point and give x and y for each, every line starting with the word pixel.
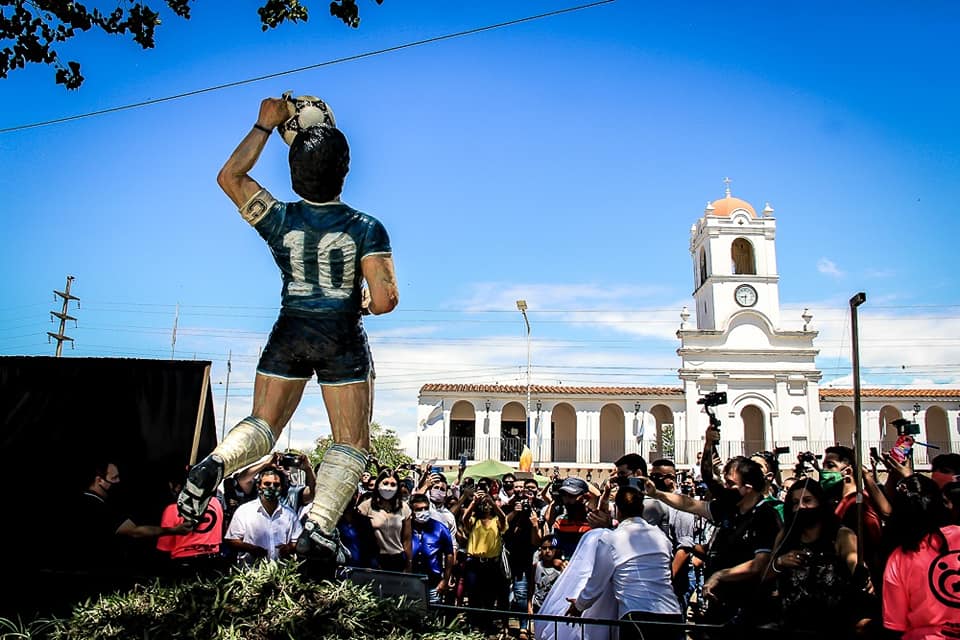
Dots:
pixel 485 539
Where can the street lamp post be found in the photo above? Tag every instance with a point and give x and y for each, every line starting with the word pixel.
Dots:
pixel 522 306
pixel 855 302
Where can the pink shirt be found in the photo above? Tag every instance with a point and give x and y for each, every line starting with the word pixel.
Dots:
pixel 204 540
pixel 921 590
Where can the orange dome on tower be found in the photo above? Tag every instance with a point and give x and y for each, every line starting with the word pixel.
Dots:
pixel 728 204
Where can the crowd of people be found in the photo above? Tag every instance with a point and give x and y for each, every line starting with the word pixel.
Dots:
pixel 735 542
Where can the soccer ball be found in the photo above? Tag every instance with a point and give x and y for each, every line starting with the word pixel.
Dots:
pixel 305 111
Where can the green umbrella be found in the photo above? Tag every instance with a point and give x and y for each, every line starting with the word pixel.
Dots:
pixel 488 469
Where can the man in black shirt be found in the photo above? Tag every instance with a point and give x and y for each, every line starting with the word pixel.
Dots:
pixel 746 528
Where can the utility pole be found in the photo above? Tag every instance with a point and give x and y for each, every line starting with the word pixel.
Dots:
pixel 62 314
pixel 173 335
pixel 226 395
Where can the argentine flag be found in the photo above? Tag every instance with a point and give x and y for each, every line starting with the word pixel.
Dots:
pixel 436 415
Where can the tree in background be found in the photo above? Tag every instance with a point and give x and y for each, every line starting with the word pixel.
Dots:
pixel 384 445
pixel 31 28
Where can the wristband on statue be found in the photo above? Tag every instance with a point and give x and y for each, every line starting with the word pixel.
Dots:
pixel 260 127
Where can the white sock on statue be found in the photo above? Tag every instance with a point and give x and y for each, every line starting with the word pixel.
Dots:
pixel 336 485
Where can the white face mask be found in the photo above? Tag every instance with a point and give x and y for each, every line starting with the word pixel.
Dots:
pixel 421 516
pixel 387 492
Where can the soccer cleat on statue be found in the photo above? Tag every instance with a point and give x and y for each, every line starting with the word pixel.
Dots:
pixel 313 543
pixel 201 485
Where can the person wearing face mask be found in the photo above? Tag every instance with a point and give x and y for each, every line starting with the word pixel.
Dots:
pixel 945 469
pixel 746 528
pixel 484 524
pixel 198 551
pixel 839 482
pixel 390 518
pixel 432 549
pixel 815 567
pixel 102 540
pixel 265 528
pixel 437 495
pixel 521 539
pixel 683 531
pixel 507 490
pixel 771 471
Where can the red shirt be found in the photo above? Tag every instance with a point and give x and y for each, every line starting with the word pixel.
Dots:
pixel 204 540
pixel 847 512
pixel 921 590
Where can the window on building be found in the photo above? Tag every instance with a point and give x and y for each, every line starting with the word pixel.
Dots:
pixel 742 258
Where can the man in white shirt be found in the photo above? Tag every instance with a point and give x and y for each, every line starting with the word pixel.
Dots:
pixel 265 527
pixel 634 559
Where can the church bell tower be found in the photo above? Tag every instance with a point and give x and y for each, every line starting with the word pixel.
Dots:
pixel 734 262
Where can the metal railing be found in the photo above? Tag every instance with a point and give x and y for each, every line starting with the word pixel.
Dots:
pixel 548 626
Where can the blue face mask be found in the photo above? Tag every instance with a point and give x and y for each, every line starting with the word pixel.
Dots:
pixel 270 493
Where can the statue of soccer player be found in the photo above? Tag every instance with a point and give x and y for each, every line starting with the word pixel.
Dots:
pixel 325 250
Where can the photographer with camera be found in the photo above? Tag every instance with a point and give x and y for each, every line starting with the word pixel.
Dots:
pixel 631 470
pixel 746 528
pixel 240 487
pixel 265 528
pixel 522 539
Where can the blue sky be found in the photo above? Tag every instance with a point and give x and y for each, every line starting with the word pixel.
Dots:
pixel 561 161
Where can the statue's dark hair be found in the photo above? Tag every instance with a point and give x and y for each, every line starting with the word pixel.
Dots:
pixel 319 161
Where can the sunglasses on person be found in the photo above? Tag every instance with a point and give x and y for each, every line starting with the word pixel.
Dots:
pixel 661 476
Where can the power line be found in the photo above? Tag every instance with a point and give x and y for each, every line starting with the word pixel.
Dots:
pixel 359 56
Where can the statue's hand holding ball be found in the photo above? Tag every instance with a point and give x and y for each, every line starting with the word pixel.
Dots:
pixel 301 113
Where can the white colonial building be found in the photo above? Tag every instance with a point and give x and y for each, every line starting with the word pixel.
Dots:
pixel 737 346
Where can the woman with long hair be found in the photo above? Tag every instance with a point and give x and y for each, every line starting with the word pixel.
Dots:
pixel 390 518
pixel 815 565
pixel 922 577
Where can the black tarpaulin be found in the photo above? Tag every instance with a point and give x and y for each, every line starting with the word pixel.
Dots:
pixel 59 415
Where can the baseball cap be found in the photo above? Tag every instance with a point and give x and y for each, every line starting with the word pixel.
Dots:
pixel 574 486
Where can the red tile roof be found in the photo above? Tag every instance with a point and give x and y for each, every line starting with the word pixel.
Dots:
pixel 666 391
pixel 551 389
pixel 891 393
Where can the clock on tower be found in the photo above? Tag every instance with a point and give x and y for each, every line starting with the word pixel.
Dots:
pixel 745 295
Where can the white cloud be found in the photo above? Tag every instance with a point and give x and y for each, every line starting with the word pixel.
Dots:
pixel 588 340
pixel 917 349
pixel 499 296
pixel 828 267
